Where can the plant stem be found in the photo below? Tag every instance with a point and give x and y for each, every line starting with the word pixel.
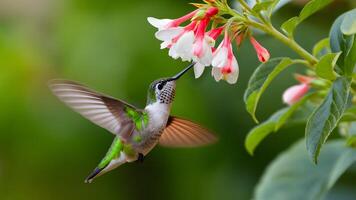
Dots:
pixel 293 45
pixel 269 29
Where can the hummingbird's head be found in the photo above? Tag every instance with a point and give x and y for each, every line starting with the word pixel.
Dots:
pixel 163 89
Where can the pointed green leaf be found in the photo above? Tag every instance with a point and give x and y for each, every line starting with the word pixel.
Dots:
pixel 325 67
pixel 345 44
pixel 264 5
pixel 321 48
pixel 350 58
pixel 292 176
pixel 273 124
pixel 312 7
pixel 325 118
pixel 260 80
pixel 289 26
pixel 348 25
pixel 349 115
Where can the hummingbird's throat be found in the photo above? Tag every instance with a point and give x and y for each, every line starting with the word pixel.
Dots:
pixel 167 95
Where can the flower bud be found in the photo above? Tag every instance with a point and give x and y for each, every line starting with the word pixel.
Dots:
pixel 211 12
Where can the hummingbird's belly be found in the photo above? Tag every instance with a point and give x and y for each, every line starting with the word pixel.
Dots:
pixel 148 141
pixel 148 137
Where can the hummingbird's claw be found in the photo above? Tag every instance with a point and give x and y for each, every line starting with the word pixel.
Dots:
pixel 140 158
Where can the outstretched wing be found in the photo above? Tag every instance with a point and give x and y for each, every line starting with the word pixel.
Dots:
pixel 107 112
pixel 184 133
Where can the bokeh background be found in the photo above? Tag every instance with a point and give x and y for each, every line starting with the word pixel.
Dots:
pixel 46 150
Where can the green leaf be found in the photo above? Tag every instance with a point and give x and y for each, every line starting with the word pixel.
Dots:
pixel 292 176
pixel 273 124
pixel 289 26
pixel 264 5
pixel 349 115
pixel 325 118
pixel 312 7
pixel 350 58
pixel 321 48
pixel 325 67
pixel 345 44
pixel 348 130
pixel 260 80
pixel 348 25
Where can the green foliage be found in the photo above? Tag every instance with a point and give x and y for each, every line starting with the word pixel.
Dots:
pixel 348 130
pixel 321 48
pixel 289 26
pixel 349 115
pixel 292 176
pixel 325 67
pixel 325 118
pixel 346 44
pixel 310 8
pixel 348 25
pixel 273 124
pixel 264 5
pixel 260 80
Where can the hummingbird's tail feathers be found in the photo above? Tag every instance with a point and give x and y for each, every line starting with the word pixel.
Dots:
pixel 91 176
pixel 114 163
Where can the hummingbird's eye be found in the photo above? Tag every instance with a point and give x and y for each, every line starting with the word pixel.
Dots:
pixel 160 85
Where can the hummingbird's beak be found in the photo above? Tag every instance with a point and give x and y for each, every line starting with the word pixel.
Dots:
pixel 177 76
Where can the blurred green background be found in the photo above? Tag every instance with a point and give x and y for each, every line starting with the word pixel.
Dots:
pixel 46 150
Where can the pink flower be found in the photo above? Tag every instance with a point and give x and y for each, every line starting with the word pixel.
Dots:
pixel 262 53
pixel 190 43
pixel 215 33
pixel 224 63
pixel 294 93
pixel 202 52
pixel 181 45
pixel 239 39
pixel 164 24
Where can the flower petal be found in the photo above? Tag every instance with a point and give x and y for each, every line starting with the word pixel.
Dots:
pixel 234 75
pixel 168 34
pixel 158 23
pixel 207 55
pixel 198 70
pixel 184 46
pixel 165 44
pixel 216 72
pixel 173 53
pixel 220 57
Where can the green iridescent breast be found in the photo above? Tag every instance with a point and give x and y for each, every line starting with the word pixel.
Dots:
pixel 139 118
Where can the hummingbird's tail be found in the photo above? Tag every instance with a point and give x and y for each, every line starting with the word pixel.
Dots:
pixel 113 158
pixel 91 176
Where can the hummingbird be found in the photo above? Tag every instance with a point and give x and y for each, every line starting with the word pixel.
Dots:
pixel 137 131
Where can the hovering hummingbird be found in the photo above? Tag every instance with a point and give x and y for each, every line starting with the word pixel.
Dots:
pixel 137 131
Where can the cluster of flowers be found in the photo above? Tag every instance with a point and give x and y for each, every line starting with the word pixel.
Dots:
pixel 194 43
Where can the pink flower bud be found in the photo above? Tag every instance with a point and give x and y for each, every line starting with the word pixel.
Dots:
pixel 294 93
pixel 262 53
pixel 303 79
pixel 211 12
pixel 215 33
pixel 239 39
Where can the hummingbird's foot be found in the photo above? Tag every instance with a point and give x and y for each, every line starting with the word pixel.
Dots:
pixel 140 158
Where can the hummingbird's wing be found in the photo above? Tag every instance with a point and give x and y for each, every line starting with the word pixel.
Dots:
pixel 184 133
pixel 104 111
